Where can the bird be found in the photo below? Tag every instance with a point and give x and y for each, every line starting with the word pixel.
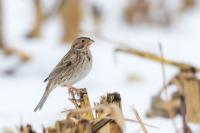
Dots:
pixel 73 67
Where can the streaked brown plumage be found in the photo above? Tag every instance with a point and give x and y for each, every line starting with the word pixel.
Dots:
pixel 73 67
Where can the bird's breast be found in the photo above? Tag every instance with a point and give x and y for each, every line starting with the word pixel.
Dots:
pixel 80 70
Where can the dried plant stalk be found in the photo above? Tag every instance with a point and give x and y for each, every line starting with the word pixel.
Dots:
pixel 71 16
pixel 136 121
pixel 38 20
pixel 84 126
pixel 140 121
pixel 52 130
pixel 85 103
pixel 153 57
pixel 27 129
pixel 70 13
pixel 162 108
pixel 114 98
pixel 60 125
pixel 97 125
pixel 128 13
pixel 188 4
pixel 189 86
pixel 110 119
pixel 8 51
pixel 165 87
pixel 82 102
pixel 1 26
pixel 115 126
pixel 186 128
pixel 186 82
pixel 143 11
pixel 23 56
pixel 137 11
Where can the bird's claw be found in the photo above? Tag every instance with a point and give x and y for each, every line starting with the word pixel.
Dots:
pixel 73 91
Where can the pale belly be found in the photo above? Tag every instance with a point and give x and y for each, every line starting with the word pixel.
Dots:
pixel 80 73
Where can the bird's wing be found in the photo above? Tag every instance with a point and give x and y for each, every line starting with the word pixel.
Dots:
pixel 65 62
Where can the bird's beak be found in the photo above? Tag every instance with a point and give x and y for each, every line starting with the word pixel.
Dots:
pixel 91 41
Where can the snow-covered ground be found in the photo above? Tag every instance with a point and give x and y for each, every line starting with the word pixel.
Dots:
pixel 21 91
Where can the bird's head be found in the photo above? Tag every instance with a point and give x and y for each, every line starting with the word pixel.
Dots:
pixel 82 43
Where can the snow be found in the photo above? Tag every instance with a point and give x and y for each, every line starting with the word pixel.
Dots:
pixel 21 91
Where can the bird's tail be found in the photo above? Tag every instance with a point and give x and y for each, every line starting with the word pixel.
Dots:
pixel 44 97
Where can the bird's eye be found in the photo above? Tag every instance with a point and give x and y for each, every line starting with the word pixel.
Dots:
pixel 82 40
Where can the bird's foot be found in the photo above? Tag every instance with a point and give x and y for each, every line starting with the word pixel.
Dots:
pixel 74 91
